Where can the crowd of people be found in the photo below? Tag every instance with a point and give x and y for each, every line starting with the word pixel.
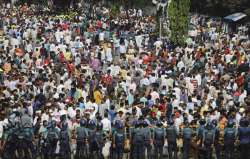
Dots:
pixel 105 85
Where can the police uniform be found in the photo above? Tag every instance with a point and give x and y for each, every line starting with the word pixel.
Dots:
pixel 229 140
pixel 138 143
pixel 119 139
pixel 187 137
pixel 159 138
pixel 172 141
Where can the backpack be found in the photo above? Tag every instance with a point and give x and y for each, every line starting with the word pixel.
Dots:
pixel 209 137
pixel 138 137
pixel 81 134
pixel 52 136
pixel 119 139
pixel 229 136
pixel 159 136
pixel 171 134
pixel 187 133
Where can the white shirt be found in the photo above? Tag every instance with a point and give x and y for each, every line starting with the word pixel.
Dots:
pixel 106 124
pixel 71 112
pixel 122 49
pixel 101 36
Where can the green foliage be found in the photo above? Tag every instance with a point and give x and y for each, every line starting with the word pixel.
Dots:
pixel 219 7
pixel 179 20
pixel 115 10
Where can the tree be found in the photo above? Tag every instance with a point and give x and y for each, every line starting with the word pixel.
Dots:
pixel 179 19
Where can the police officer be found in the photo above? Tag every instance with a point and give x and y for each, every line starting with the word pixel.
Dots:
pixel 9 138
pixel 172 135
pixel 43 135
pixel 187 137
pixel 138 141
pixel 200 132
pixel 64 139
pixel 218 140
pixel 91 131
pixel 159 138
pixel 147 139
pixel 244 137
pixel 26 131
pixel 229 139
pixel 118 140
pixel 23 135
pixel 51 140
pixel 208 140
pixel 81 138
pixel 98 140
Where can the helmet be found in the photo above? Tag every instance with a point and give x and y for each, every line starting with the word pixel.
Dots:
pixel 137 123
pixel 209 125
pixel 118 124
pixel 186 123
pixel 82 122
pixel 91 123
pixel 64 126
pixel 214 123
pixel 159 123
pixel 145 123
pixel 171 122
pixel 244 122
pixel 53 124
pixel 99 126
pixel 202 122
pixel 230 123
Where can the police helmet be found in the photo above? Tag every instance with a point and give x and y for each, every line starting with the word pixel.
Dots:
pixel 202 122
pixel 64 126
pixel 145 123
pixel 214 122
pixel 91 123
pixel 230 123
pixel 244 122
pixel 82 122
pixel 171 122
pixel 118 124
pixel 159 123
pixel 99 126
pixel 209 126
pixel 186 123
pixel 137 123
pixel 53 123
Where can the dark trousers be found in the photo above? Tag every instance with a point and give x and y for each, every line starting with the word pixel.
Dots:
pixel 244 151
pixel 81 150
pixel 148 147
pixel 229 151
pixel 158 151
pixel 119 150
pixel 186 148
pixel 208 152
pixel 172 149
pixel 138 151
pixel 218 151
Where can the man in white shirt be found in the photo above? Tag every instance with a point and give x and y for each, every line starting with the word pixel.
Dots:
pixel 106 123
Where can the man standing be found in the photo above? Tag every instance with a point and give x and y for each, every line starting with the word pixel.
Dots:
pixel 159 138
pixel 172 135
pixel 208 140
pixel 244 137
pixel 229 139
pixel 187 137
pixel 138 141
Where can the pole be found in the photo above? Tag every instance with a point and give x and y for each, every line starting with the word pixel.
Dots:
pixel 160 26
